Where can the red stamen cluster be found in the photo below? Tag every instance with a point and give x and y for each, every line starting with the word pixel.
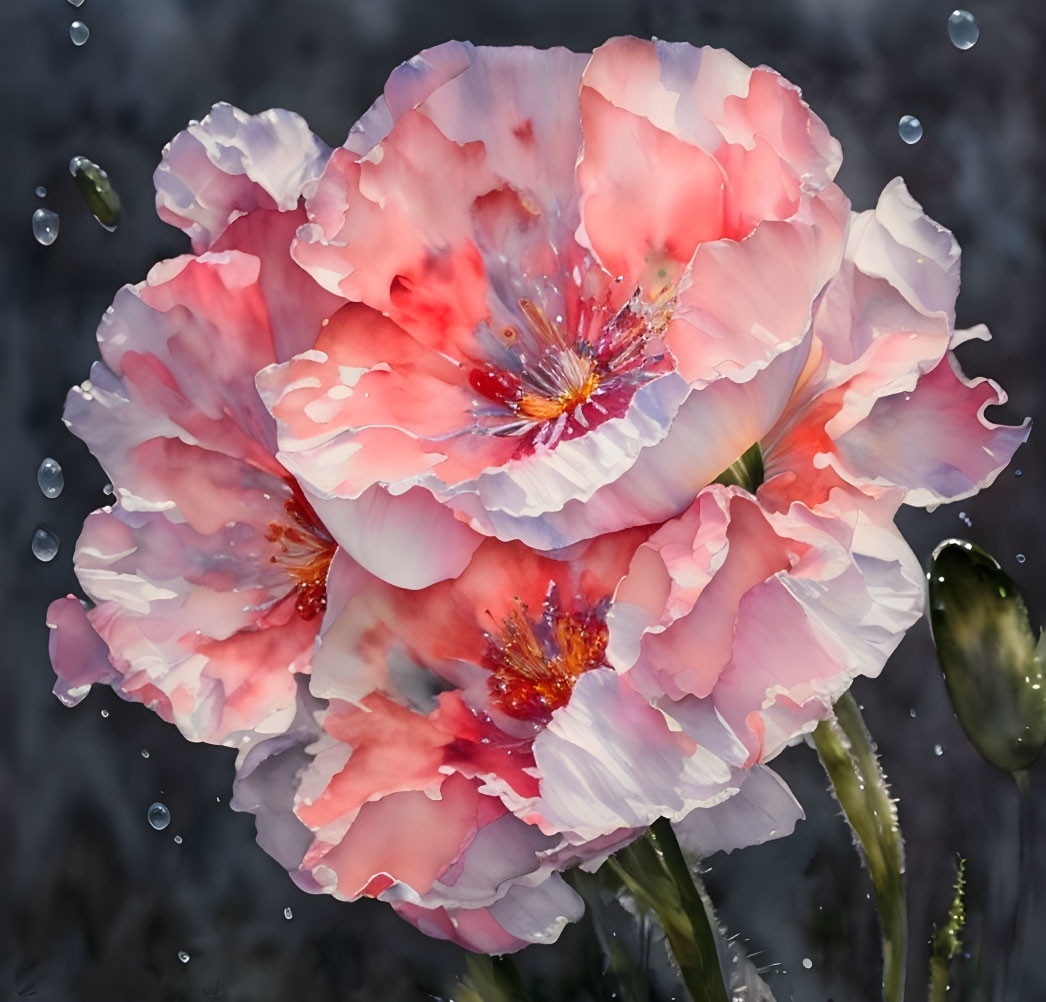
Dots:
pixel 306 553
pixel 534 665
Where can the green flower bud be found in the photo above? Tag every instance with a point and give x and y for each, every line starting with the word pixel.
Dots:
pixel 986 648
pixel 97 191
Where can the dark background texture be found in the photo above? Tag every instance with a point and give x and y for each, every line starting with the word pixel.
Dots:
pixel 94 904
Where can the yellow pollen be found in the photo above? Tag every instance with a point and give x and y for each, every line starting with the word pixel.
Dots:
pixel 543 409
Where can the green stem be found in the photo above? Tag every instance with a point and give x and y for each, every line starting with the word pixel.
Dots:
pixel 656 873
pixel 623 975
pixel 939 978
pixel 947 940
pixel 848 756
pixel 491 979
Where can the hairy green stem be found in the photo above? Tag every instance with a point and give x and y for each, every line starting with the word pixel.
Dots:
pixel 849 758
pixel 654 870
pixel 947 940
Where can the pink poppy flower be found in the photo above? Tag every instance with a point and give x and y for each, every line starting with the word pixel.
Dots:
pixel 882 408
pixel 436 417
pixel 208 573
pixel 579 286
pixel 537 712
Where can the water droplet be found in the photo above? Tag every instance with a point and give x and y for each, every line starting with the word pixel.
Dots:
pixel 45 226
pixel 911 713
pixel 76 3
pixel 807 963
pixel 966 520
pixel 288 914
pixel 177 840
pixel 938 750
pixel 41 192
pixel 50 478
pixel 97 191
pixel 105 713
pixel 159 816
pixel 45 544
pixel 79 32
pixel 910 129
pixel 183 956
pixel 145 753
pixel 963 29
pixel 108 489
pixel 1018 473
pixel 1021 558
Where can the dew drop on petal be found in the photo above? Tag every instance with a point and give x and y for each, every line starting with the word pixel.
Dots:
pixel 145 753
pixel 50 478
pixel 1021 558
pixel 910 129
pixel 911 713
pixel 108 489
pixel 938 750
pixel 183 956
pixel 1018 473
pixel 177 840
pixel 76 3
pixel 79 32
pixel 159 816
pixel 45 544
pixel 966 520
pixel 105 714
pixel 807 963
pixel 963 29
pixel 41 192
pixel 288 914
pixel 45 226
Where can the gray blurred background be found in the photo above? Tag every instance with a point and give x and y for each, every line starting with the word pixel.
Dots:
pixel 94 904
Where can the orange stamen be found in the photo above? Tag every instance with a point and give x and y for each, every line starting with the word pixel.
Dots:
pixel 306 553
pixel 530 678
pixel 542 409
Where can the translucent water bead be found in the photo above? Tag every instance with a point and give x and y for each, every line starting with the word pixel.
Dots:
pixel 45 226
pixel 963 29
pixel 910 129
pixel 159 816
pixel 45 545
pixel 50 478
pixel 41 192
pixel 79 32
pixel 76 3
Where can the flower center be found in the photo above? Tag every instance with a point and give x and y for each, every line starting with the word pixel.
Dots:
pixel 305 554
pixel 534 664
pixel 561 381
pixel 555 383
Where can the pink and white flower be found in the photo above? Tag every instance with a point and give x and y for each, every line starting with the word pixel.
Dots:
pixel 208 573
pixel 578 287
pixel 883 409
pixel 534 713
pixel 414 464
